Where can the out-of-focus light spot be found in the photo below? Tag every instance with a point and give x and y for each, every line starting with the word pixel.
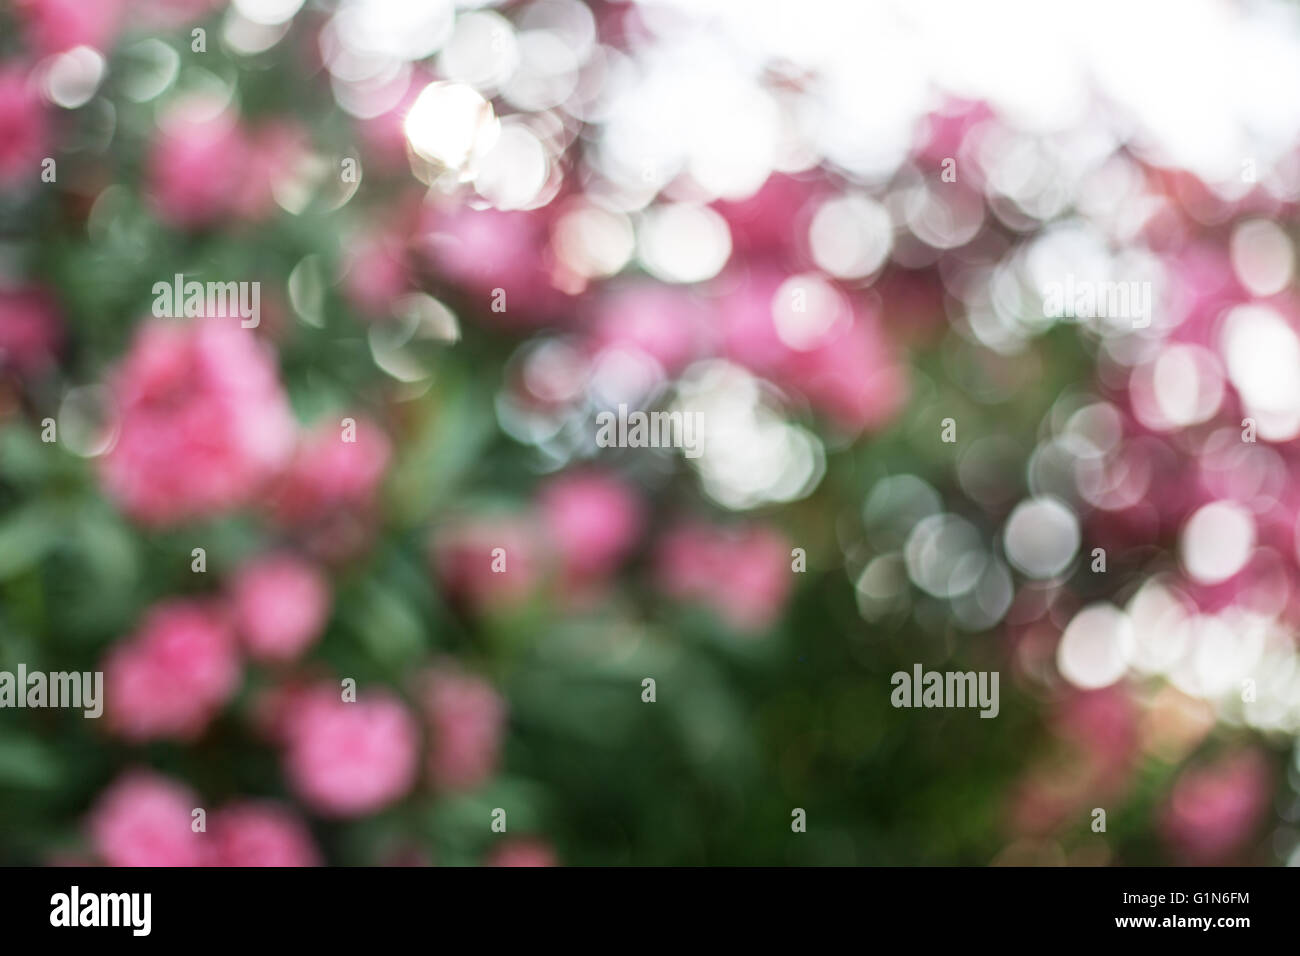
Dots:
pixel 945 556
pixel 985 604
pixel 267 12
pixel 894 506
pixel 1263 358
pixel 554 371
pixel 374 94
pixel 1041 537
pixel 733 156
pixel 569 20
pixel 417 318
pixel 594 242
pixel 1262 256
pixel 988 471
pixel 307 290
pixel 512 173
pixel 1224 649
pixel 1096 647
pixel 850 236
pixel 201 97
pixel 546 74
pixel 147 69
pixel 807 309
pixel 88 421
pixel 449 124
pixel 71 79
pixel 1217 541
pixel 395 28
pixel 882 586
pixel 683 242
pixel 1093 430
pixel 248 38
pixel 1183 386
pixel 482 52
pixel 751 455
pixel 943 218
pixel 1161 628
pixel 624 376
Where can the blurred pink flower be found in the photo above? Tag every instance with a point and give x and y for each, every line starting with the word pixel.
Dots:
pixel 23 127
pixel 57 25
pixel 466 719
pixel 31 330
pixel 1103 727
pixel 766 223
pixel 1213 810
pixel 850 373
pixel 483 250
pixel 350 759
pixel 743 573
pixel 523 852
pixel 198 165
pixel 593 520
pixel 336 466
pixel 259 833
pixel 272 155
pixel 203 421
pixel 465 553
pixel 281 604
pixel 144 819
pixel 664 322
pixel 171 677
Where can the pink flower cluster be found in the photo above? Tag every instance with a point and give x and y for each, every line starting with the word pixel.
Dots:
pixel 586 524
pixel 202 421
pixel 205 166
pixel 183 665
pixel 742 574
pixel 24 127
pixel 144 819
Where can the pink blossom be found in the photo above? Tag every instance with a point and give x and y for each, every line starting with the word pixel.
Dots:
pixel 485 250
pixel 466 718
pixel 1214 810
pixel 743 574
pixel 272 156
pixel 198 165
pixel 336 465
pixel 1103 726
pixel 666 323
pixel 593 519
pixel 850 373
pixel 523 852
pixel 31 331
pixel 259 833
pixel 24 134
pixel 57 25
pixel 144 819
pixel 281 604
pixel 203 421
pixel 173 675
pixel 348 759
pixel 767 222
pixel 474 573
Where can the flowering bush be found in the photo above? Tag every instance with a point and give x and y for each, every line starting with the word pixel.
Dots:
pixel 310 315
